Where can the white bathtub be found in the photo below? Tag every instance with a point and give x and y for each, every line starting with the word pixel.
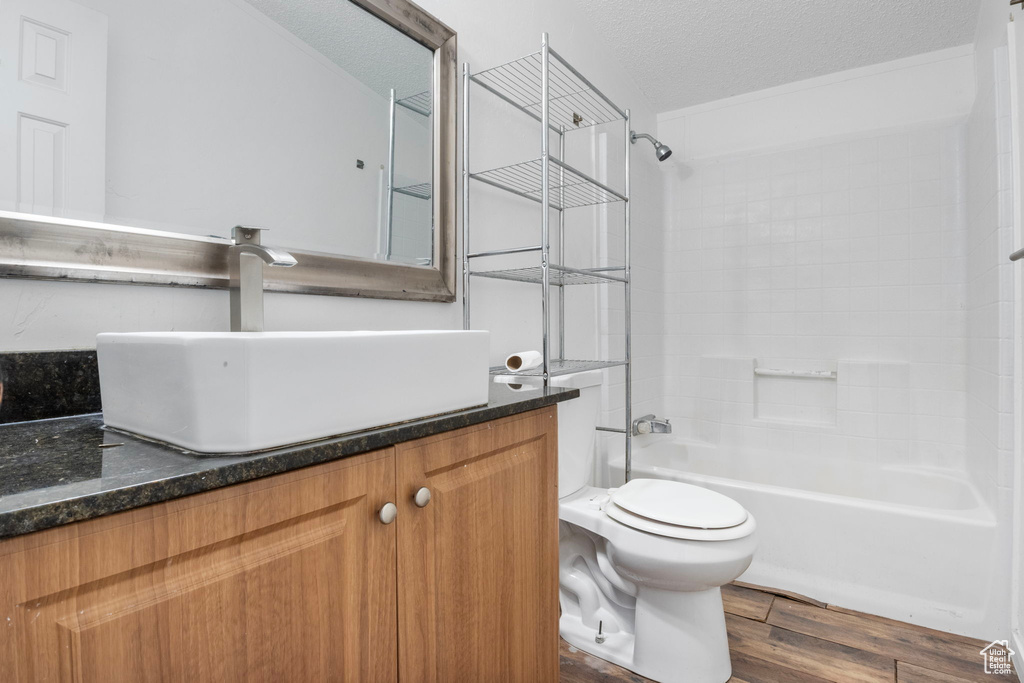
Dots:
pixel 912 544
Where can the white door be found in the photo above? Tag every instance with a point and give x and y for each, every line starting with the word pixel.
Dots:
pixel 53 102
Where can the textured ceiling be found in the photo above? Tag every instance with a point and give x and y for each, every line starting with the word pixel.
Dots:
pixel 686 52
pixel 366 47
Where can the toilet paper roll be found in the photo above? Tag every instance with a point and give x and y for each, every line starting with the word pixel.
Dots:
pixel 523 360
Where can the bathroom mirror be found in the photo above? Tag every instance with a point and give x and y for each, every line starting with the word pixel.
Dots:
pixel 135 135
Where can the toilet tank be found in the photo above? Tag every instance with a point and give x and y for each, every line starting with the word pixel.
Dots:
pixel 577 426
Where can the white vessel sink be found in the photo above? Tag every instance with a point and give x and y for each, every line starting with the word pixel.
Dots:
pixel 234 392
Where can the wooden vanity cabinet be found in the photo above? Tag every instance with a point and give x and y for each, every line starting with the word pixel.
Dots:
pixel 295 577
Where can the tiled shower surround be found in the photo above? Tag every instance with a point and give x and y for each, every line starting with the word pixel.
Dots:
pixel 990 319
pixel 847 256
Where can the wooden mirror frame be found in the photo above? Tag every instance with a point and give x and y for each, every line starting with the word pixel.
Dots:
pixel 53 248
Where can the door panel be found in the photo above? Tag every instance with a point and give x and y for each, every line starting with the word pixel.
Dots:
pixel 286 578
pixel 42 168
pixel 478 566
pixel 53 76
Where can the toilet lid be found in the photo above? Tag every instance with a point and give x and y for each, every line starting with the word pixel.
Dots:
pixel 678 504
pixel 686 533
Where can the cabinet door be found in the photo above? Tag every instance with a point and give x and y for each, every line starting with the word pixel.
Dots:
pixel 478 565
pixel 288 578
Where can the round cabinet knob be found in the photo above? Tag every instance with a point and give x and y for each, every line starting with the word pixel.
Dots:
pixel 388 513
pixel 422 497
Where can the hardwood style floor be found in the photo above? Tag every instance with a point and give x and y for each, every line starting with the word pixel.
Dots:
pixel 779 637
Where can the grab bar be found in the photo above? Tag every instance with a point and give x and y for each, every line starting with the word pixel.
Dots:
pixel 807 374
pixel 1017 255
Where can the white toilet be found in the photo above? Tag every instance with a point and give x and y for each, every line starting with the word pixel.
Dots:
pixel 641 566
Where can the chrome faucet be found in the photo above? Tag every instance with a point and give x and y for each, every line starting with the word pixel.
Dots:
pixel 245 265
pixel 650 424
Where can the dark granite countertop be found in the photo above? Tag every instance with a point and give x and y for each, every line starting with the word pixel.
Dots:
pixel 57 471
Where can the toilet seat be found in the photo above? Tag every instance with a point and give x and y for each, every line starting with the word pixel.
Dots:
pixel 677 510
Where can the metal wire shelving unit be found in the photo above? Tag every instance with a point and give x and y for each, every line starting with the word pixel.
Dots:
pixel 545 87
pixel 420 191
pixel 420 103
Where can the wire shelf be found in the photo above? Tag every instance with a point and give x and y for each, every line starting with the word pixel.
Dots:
pixel 569 188
pixel 559 276
pixel 419 103
pixel 561 367
pixel 420 191
pixel 573 101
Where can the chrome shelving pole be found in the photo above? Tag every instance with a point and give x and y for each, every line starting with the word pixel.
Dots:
pixel 391 177
pixel 545 203
pixel 628 321
pixel 465 196
pixel 561 241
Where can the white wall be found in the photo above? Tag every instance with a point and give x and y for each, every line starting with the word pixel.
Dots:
pixel 989 26
pixel 921 89
pixel 1015 40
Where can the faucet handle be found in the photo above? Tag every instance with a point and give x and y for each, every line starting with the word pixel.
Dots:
pixel 651 424
pixel 642 425
pixel 246 234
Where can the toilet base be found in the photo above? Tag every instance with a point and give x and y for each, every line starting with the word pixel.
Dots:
pixel 683 638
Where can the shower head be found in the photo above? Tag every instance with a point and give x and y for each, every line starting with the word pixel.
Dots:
pixel 663 151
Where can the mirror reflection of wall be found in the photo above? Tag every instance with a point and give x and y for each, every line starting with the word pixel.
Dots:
pixel 197 115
